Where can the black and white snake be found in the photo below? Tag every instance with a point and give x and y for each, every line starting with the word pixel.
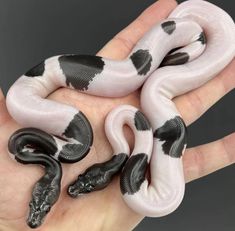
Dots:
pixel 194 44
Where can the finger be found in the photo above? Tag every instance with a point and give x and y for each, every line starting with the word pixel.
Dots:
pixel 193 104
pixel 4 116
pixel 122 43
pixel 1 95
pixel 208 158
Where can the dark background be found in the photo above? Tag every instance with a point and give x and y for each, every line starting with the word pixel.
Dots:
pixel 31 31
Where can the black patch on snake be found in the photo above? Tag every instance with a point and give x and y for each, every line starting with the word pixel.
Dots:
pixel 133 173
pixel 98 176
pixel 80 130
pixel 169 27
pixel 141 122
pixel 175 59
pixel 38 139
pixel 37 70
pixel 202 38
pixel 141 59
pixel 80 70
pixel 174 134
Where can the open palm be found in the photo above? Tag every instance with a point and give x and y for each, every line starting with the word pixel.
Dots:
pixel 105 210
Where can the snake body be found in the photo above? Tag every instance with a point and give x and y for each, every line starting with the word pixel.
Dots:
pixel 165 191
pixel 190 46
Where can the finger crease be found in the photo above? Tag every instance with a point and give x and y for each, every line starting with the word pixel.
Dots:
pixel 226 152
pixel 198 160
pixel 125 42
pixel 196 103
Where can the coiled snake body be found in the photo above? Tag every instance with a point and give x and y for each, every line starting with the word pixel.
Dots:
pixel 200 38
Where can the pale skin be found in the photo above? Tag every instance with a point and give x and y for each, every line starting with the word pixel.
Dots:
pixel 105 210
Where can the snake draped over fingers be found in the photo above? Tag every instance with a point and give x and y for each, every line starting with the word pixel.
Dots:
pixel 177 55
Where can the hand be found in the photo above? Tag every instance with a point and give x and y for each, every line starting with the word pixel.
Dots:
pixel 105 210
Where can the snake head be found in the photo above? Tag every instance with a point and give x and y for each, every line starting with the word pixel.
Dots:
pixel 83 184
pixel 97 176
pixel 94 178
pixel 42 201
pixel 37 214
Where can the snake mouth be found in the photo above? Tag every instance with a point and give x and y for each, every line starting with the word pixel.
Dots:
pixel 34 220
pixel 33 224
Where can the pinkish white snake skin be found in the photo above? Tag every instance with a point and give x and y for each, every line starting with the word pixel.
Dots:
pixel 165 192
pixel 204 35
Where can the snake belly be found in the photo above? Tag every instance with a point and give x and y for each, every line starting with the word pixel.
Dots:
pixel 164 191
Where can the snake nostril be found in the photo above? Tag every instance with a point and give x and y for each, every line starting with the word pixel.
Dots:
pixel 33 224
pixel 72 191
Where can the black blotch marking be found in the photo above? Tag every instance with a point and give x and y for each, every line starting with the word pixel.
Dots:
pixel 169 27
pixel 80 69
pixel 141 59
pixel 37 70
pixel 175 59
pixel 32 137
pixel 174 135
pixel 202 38
pixel 141 122
pixel 79 129
pixel 98 176
pixel 133 173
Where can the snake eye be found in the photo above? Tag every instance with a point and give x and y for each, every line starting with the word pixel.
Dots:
pixel 90 187
pixel 31 205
